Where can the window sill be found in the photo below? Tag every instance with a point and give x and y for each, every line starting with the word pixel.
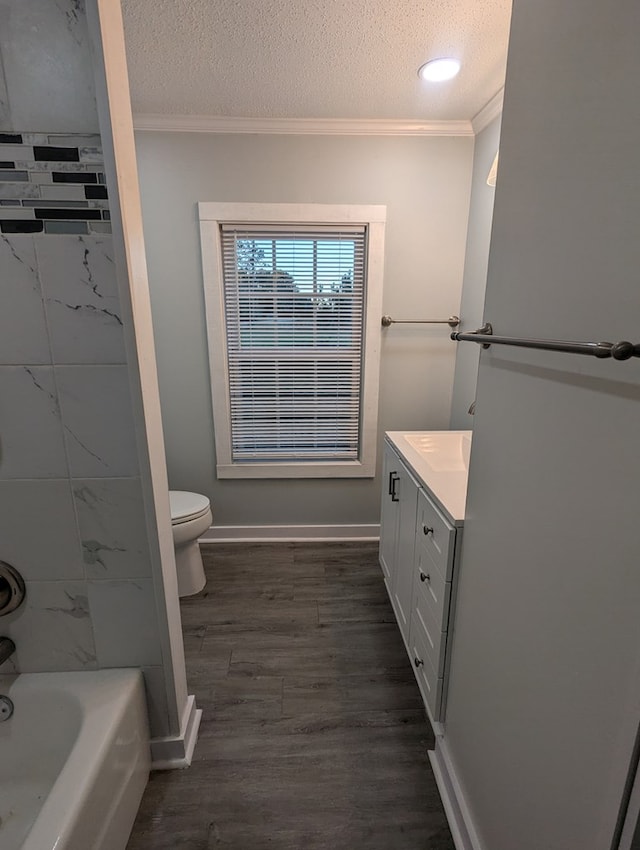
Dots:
pixel 328 469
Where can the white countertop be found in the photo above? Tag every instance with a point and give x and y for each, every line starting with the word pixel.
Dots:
pixel 440 461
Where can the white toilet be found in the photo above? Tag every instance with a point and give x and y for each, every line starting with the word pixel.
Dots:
pixel 190 517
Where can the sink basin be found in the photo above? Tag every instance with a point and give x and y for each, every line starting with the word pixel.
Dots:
pixel 440 462
pixel 443 451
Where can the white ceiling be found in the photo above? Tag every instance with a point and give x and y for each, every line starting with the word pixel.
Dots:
pixel 345 59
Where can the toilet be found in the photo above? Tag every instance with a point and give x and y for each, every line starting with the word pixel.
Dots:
pixel 190 517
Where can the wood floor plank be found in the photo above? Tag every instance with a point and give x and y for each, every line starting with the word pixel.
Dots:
pixel 258 698
pixel 330 650
pixel 344 694
pixel 255 611
pixel 351 558
pixel 375 610
pixel 313 734
pixel 206 670
pixel 338 587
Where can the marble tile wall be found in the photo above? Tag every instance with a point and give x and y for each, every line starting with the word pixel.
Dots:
pixel 46 80
pixel 72 517
pixel 71 509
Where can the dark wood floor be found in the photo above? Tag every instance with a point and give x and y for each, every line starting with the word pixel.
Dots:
pixel 313 734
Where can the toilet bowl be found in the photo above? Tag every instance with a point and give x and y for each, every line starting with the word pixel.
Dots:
pixel 190 517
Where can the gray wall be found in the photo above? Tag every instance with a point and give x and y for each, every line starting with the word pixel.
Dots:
pixel 544 701
pixel 425 184
pixel 475 274
pixel 72 516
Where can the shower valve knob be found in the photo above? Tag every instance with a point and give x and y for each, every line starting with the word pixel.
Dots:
pixel 6 708
pixel 12 589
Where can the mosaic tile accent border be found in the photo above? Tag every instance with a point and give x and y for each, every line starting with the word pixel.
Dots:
pixel 52 184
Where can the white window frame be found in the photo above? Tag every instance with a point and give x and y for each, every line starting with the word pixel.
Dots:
pixel 211 216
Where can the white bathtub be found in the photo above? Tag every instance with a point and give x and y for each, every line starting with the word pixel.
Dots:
pixel 74 760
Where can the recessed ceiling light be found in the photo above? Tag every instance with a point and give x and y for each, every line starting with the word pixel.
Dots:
pixel 438 70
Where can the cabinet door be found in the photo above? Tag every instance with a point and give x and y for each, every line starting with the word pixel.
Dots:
pixel 430 684
pixel 389 516
pixel 437 535
pixel 402 588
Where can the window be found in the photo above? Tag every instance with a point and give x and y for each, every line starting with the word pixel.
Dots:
pixel 293 300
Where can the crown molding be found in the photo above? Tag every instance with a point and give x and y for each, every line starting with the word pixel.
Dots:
pixel 299 126
pixel 489 111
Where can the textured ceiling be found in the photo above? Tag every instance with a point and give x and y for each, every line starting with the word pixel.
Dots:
pixel 313 58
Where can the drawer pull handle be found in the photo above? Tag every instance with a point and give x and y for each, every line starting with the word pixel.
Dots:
pixel 393 480
pixel 418 661
pixel 427 530
pixel 424 577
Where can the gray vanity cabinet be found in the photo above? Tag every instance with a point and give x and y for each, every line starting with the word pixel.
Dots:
pixel 389 517
pixel 432 602
pixel 418 547
pixel 397 536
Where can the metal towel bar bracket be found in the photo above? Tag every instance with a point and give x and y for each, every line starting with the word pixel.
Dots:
pixel 452 321
pixel 618 350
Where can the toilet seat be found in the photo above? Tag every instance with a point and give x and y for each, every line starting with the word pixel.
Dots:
pixel 186 507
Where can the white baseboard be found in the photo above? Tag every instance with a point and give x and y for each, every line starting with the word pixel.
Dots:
pixel 458 815
pixel 290 533
pixel 177 752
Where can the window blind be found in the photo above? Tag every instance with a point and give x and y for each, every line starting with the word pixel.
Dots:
pixel 294 299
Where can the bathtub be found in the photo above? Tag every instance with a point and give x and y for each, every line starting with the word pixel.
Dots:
pixel 74 760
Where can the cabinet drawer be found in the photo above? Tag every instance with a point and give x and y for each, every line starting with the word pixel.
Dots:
pixel 436 535
pixel 432 589
pixel 429 682
pixel 427 630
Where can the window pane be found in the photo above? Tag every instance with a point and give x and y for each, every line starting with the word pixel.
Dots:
pixel 294 322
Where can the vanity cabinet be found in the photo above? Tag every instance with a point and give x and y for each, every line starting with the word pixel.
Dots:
pixel 397 533
pixel 418 547
pixel 389 516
